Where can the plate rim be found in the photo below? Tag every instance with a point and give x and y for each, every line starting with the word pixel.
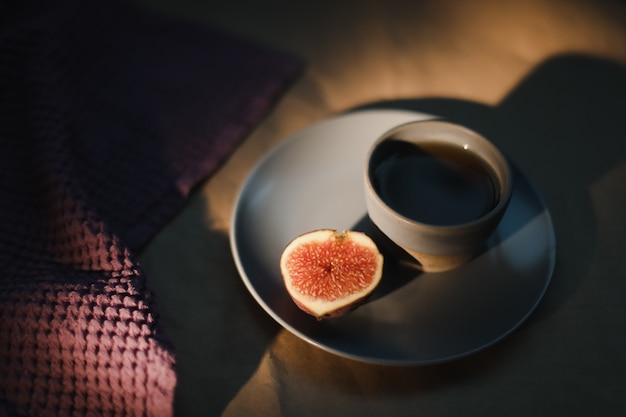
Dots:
pixel 294 137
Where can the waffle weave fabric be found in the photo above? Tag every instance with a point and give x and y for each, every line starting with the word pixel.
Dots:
pixel 109 115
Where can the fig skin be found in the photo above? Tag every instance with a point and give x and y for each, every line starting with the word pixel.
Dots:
pixel 364 261
pixel 340 312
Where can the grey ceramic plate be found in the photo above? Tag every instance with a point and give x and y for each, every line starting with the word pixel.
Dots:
pixel 314 180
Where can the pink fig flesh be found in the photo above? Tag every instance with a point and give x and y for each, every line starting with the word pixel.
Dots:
pixel 329 273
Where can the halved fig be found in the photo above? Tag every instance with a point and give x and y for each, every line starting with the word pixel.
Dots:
pixel 329 273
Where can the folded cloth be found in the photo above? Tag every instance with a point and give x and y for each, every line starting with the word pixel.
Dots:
pixel 109 115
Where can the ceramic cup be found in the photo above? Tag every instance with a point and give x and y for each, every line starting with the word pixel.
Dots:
pixel 438 190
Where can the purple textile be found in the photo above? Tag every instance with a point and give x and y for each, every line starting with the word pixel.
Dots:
pixel 109 115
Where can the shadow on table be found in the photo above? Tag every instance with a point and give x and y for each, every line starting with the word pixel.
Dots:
pixel 219 331
pixel 563 125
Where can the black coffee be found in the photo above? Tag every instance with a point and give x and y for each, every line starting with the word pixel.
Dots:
pixel 433 183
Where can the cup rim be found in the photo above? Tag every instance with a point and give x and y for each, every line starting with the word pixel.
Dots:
pixel 506 185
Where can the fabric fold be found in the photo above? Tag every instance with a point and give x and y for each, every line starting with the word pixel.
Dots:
pixel 109 116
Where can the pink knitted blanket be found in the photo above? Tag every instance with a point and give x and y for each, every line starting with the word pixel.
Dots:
pixel 109 115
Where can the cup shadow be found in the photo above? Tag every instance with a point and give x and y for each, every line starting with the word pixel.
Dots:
pixel 400 268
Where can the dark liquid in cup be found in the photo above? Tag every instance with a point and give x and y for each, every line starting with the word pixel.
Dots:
pixel 433 183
